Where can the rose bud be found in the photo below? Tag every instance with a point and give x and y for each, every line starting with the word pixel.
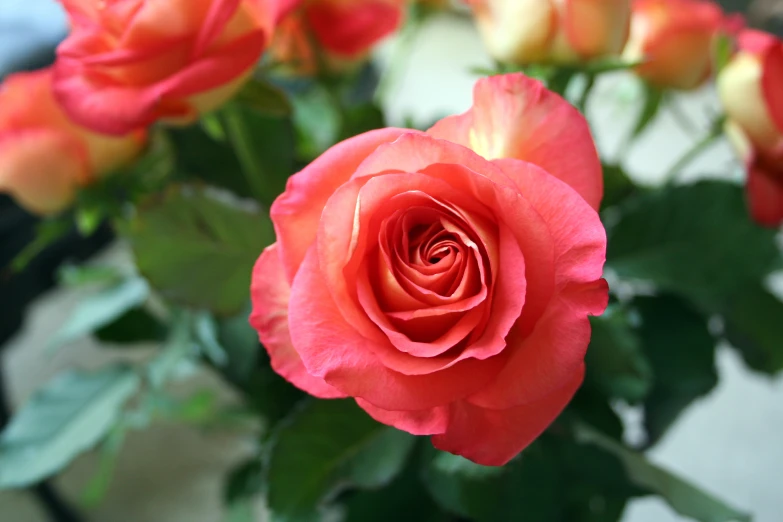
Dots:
pixel 337 33
pixel 129 63
pixel 674 39
pixel 566 31
pixel 751 91
pixel 443 279
pixel 44 157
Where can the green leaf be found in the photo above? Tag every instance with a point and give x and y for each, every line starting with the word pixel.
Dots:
pixel 695 240
pixel 615 360
pixel 244 481
pixel 66 417
pixel 205 329
pixel 264 98
pixel 46 232
pixel 683 497
pixel 406 498
pixel 754 326
pixel 317 119
pixel 651 105
pixel 529 485
pixel 198 250
pixel 617 186
pixel 240 342
pixel 360 119
pixel 178 348
pixel 325 447
pixel 100 309
pixel 681 350
pixel 86 275
pixel 200 156
pixel 723 49
pixel 135 326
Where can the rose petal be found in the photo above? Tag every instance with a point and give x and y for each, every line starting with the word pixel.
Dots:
pixel 41 169
pixel 418 422
pixel 514 116
pixel 597 27
pixel 297 212
pixel 765 190
pixel 543 358
pixel 350 30
pixel 270 294
pixel 772 83
pixel 333 349
pixel 493 437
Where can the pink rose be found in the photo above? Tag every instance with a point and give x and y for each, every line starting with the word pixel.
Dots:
pixel 443 279
pixel 751 89
pixel 529 31
pixel 44 157
pixel 128 63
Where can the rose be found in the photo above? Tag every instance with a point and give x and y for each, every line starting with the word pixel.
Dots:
pixel 128 63
pixel 751 93
pixel 342 32
pixel 44 157
pixel 528 31
pixel 674 38
pixel 443 279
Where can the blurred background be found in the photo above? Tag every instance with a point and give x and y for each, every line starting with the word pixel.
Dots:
pixel 728 443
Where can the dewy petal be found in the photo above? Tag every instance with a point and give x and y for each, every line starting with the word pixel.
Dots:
pixel 270 294
pixel 493 437
pixel 334 350
pixel 514 116
pixel 546 351
pixel 297 212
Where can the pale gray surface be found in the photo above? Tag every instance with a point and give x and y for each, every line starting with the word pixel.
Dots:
pixel 729 442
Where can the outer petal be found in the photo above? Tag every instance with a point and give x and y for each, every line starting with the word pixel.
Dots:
pixel 546 352
pixel 772 83
pixel 42 169
pixel 351 29
pixel 765 189
pixel 420 422
pixel 270 294
pixel 331 348
pixel 493 437
pixel 297 212
pixel 514 116
pixel 597 27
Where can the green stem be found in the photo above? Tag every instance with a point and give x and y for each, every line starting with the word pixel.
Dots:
pixel 585 96
pixel 694 152
pixel 241 140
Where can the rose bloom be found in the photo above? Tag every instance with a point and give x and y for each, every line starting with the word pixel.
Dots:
pixel 443 279
pixel 675 39
pixel 44 157
pixel 529 31
pixel 751 89
pixel 342 31
pixel 128 63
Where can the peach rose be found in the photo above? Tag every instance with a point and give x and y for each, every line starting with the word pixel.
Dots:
pixel 342 32
pixel 443 279
pixel 44 157
pixel 529 31
pixel 751 89
pixel 128 63
pixel 675 38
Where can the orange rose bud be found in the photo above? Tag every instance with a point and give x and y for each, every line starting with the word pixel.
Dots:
pixel 128 63
pixel 529 31
pixel 675 39
pixel 44 157
pixel 751 91
pixel 338 33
